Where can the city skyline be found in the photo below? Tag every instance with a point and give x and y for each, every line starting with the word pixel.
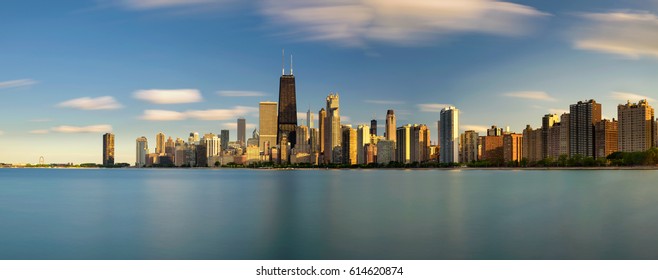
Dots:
pixel 63 76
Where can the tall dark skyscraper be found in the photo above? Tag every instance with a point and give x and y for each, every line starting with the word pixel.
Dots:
pixel 373 127
pixel 287 119
pixel 242 131
pixel 224 136
pixel 108 149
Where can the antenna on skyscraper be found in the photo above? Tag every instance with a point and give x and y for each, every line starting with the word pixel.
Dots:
pixel 291 64
pixel 283 62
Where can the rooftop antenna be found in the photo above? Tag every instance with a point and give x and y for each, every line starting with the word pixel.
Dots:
pixel 283 63
pixel 291 64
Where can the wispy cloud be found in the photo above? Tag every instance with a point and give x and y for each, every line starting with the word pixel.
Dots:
pixel 82 129
pixel 2 133
pixel 169 96
pixel 356 23
pixel 535 95
pixel 160 4
pixel 345 119
pixel 476 128
pixel 89 103
pixel 206 115
pixel 234 125
pixel 432 107
pixel 624 96
pixel 17 83
pixel 631 34
pixel 163 115
pixel 240 93
pixel 40 131
pixel 557 111
pixel 384 102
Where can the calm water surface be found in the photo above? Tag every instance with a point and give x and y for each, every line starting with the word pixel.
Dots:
pixel 328 214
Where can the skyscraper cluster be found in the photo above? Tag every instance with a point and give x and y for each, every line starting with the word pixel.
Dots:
pixel 279 139
pixel 579 133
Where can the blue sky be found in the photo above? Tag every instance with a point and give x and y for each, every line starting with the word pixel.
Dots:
pixel 71 70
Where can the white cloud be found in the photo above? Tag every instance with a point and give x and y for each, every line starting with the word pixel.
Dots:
pixel 17 83
pixel 384 102
pixel 234 125
pixel 221 114
pixel 557 111
pixel 358 22
pixel 624 96
pixel 240 93
pixel 2 132
pixel 625 33
pixel 535 95
pixel 89 103
pixel 82 129
pixel 345 119
pixel 159 4
pixel 432 107
pixel 163 115
pixel 477 128
pixel 40 131
pixel 205 115
pixel 169 96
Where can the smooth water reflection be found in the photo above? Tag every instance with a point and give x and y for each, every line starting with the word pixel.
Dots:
pixel 327 214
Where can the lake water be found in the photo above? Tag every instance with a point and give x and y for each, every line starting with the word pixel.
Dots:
pixel 328 214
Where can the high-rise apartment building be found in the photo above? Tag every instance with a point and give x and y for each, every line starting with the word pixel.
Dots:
pixel 469 146
pixel 583 115
pixel 532 144
pixel 553 141
pixel 512 147
pixel 267 123
pixel 170 146
pixel 287 117
pixel 303 145
pixel 636 124
pixel 370 153
pixel 449 131
pixel 349 149
pixel 108 149
pixel 314 140
pixel 385 151
pixel 242 131
pixel 546 123
pixel 362 139
pixel 420 143
pixel 332 131
pixel 160 143
pixel 390 126
pixel 492 148
pixel 606 134
pixel 565 122
pixel 403 144
pixel 322 118
pixel 180 153
pixel 212 145
pixel 142 150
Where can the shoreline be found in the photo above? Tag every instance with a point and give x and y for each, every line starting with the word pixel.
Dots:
pixel 356 168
